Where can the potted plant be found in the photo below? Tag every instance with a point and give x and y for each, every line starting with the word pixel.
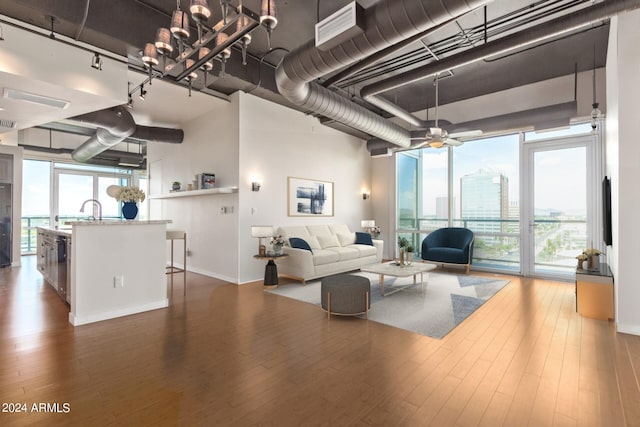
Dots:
pixel 409 254
pixel 175 185
pixel 403 242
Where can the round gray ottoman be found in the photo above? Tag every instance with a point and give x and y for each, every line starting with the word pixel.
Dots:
pixel 345 294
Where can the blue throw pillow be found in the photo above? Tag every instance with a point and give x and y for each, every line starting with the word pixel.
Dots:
pixel 363 239
pixel 299 243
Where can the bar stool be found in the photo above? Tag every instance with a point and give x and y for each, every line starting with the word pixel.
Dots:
pixel 172 269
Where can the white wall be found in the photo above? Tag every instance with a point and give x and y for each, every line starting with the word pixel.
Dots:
pixel 210 145
pixel 277 142
pixel 254 139
pixel 623 157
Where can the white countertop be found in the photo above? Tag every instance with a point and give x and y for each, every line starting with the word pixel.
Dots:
pixel 65 231
pixel 118 222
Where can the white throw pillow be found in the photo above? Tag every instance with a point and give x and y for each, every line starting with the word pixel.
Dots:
pixel 313 242
pixel 328 241
pixel 347 239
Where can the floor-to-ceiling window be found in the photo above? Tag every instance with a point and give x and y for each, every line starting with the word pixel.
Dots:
pixel 486 179
pixel 526 196
pixel 54 192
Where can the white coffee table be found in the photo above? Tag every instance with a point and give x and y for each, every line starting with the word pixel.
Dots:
pixel 391 269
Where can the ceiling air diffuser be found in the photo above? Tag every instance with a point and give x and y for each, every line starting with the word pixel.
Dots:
pixel 19 95
pixel 339 27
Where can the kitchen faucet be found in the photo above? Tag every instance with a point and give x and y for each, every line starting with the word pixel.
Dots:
pixel 97 203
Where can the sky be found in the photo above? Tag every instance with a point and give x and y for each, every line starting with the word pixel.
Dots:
pixel 559 175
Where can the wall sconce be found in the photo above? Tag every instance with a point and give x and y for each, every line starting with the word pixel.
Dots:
pixel 365 195
pixel 255 186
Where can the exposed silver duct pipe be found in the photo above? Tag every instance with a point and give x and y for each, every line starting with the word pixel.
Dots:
pixel 386 23
pixel 115 125
pixel 380 55
pixel 553 28
pixel 540 118
pixel 106 158
pixel 158 134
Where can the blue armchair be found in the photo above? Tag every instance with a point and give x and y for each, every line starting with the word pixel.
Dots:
pixel 452 245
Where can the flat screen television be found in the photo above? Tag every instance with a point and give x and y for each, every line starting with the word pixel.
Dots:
pixel 606 211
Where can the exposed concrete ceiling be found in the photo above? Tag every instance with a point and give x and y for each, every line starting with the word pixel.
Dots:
pixel 122 27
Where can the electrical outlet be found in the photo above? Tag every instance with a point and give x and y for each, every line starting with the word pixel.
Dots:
pixel 118 282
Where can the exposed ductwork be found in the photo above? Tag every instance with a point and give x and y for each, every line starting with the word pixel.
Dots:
pixel 553 28
pixel 386 23
pixel 114 125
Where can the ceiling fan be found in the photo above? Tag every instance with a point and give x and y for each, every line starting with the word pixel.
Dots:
pixel 437 137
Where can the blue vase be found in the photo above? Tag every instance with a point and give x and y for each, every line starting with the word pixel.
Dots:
pixel 129 210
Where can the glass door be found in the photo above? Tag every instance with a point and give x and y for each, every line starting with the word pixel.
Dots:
pixel 71 189
pixel 559 200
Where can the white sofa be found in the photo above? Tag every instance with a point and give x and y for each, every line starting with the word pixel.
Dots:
pixel 333 250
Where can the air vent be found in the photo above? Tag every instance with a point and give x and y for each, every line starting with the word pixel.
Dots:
pixel 7 124
pixel 19 95
pixel 341 26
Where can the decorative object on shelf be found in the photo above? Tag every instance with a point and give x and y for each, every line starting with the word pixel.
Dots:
pixel 208 180
pixel 175 185
pixel 593 260
pixel 182 59
pixel 307 197
pixel 261 231
pixel 130 196
pixel 581 260
pixel 129 210
pixel 277 242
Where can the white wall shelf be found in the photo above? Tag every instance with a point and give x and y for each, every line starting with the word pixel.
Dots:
pixel 192 193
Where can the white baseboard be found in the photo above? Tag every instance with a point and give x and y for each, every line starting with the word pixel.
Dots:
pixel 211 274
pixel 628 329
pixel 83 320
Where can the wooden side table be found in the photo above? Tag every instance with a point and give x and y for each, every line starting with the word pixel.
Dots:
pixel 594 293
pixel 271 270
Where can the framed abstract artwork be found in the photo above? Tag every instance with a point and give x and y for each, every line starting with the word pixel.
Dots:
pixel 309 197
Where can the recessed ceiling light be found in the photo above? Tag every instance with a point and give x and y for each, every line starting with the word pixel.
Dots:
pixel 19 95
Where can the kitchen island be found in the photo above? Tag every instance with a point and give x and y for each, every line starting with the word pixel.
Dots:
pixel 117 269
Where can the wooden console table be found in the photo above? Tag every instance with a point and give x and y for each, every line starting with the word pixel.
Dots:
pixel 594 293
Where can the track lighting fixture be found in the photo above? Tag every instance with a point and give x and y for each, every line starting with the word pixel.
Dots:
pixel 143 93
pixel 96 62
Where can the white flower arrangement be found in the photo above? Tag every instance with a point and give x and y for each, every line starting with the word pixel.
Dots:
pixel 277 240
pixel 130 194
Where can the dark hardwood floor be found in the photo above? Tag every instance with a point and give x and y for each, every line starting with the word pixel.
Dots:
pixel 234 355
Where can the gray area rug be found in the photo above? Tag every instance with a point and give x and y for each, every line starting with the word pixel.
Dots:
pixel 447 300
